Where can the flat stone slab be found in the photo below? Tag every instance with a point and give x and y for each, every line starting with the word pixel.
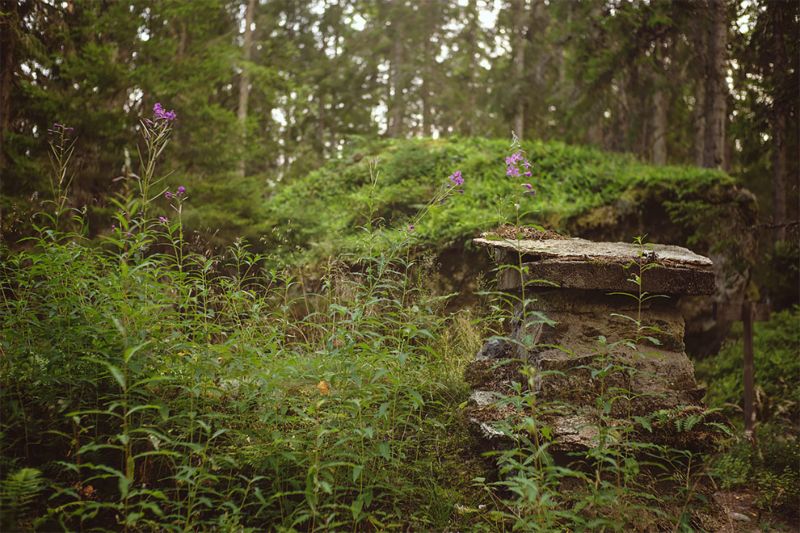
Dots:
pixel 582 264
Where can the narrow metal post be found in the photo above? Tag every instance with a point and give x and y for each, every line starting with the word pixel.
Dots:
pixel 749 414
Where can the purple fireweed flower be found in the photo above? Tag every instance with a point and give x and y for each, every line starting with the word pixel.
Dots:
pixel 168 195
pixel 456 178
pixel 515 163
pixel 514 158
pixel 529 189
pixel 163 219
pixel 162 114
pixel 181 190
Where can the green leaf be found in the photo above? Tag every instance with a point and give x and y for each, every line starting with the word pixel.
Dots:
pixel 384 450
pixel 356 507
pixel 131 351
pixel 357 472
pixel 115 372
pixel 123 484
pixel 644 422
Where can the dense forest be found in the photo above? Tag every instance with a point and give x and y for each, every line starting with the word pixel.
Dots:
pixel 268 91
pixel 238 284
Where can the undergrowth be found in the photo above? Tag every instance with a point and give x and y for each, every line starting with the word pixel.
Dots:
pixel 771 463
pixel 147 387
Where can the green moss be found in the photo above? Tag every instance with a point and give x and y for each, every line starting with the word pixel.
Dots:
pixel 579 190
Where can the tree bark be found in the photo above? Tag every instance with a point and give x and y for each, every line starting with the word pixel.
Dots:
pixel 538 26
pixel 699 123
pixel 244 80
pixel 660 116
pixel 425 92
pixel 7 69
pixel 397 110
pixel 519 67
pixel 715 108
pixel 426 108
pixel 473 120
pixel 660 121
pixel 779 114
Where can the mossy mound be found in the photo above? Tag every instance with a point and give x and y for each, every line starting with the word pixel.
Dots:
pixel 579 191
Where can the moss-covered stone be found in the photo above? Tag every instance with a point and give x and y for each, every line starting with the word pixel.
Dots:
pixel 580 192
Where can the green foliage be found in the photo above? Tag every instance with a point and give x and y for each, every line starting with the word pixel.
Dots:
pixel 161 389
pixel 225 208
pixel 779 273
pixel 319 214
pixel 168 392
pixel 777 369
pixel 145 386
pixel 771 464
pixel 18 492
pixel 587 73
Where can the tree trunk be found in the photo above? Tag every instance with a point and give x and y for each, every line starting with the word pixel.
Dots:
pixel 244 80
pixel 7 69
pixel 397 110
pixel 320 93
pixel 561 52
pixel 660 120
pixel 779 176
pixel 519 67
pixel 595 134
pixel 700 38
pixel 779 114
pixel 538 26
pixel 471 123
pixel 184 40
pixel 660 116
pixel 425 89
pixel 426 109
pixel 715 108
pixel 699 122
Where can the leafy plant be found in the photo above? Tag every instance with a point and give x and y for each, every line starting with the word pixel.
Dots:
pixel 19 491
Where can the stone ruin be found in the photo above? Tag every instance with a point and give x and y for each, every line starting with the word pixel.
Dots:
pixel 571 282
